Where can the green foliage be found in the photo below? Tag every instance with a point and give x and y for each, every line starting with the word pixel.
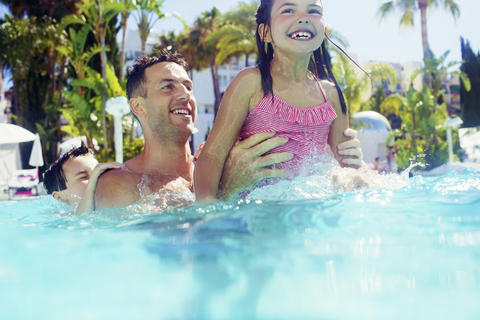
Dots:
pixel 147 13
pixel 470 99
pixel 236 36
pixel 406 153
pixel 132 149
pixel 83 113
pixel 352 82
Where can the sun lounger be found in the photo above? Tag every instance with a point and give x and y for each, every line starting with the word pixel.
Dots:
pixel 23 182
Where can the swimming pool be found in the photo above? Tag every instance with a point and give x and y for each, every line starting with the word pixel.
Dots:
pixel 412 253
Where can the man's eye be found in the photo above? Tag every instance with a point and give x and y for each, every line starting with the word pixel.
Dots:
pixel 168 86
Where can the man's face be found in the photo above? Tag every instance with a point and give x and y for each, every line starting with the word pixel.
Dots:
pixel 171 109
pixel 77 173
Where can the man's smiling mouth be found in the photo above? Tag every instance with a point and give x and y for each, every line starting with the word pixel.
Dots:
pixel 181 111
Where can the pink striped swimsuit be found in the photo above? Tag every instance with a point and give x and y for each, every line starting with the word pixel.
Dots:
pixel 307 129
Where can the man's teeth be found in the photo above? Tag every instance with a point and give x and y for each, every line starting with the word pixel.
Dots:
pixel 181 111
pixel 301 35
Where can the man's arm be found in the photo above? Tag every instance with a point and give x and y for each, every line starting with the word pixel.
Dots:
pixel 117 188
pixel 245 165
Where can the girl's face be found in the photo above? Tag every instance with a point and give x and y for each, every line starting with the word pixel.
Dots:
pixel 296 25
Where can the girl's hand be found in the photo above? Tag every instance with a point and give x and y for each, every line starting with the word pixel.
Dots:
pixel 351 148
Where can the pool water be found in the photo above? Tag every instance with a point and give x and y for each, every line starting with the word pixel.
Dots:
pixel 410 253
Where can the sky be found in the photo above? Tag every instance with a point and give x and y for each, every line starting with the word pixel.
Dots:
pixel 369 38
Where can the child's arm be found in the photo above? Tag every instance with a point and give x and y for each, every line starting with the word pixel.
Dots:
pixel 87 204
pixel 232 113
pixel 339 125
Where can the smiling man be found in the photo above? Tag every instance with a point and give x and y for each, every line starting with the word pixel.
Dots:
pixel 161 97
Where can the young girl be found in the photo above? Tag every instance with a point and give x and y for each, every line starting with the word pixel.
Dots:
pixel 279 95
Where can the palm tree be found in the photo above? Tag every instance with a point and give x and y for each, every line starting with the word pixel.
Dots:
pixel 237 35
pixel 76 56
pixel 353 83
pixel 96 14
pixel 408 8
pixel 205 53
pixel 123 25
pixel 147 14
pixel 438 72
pixel 83 109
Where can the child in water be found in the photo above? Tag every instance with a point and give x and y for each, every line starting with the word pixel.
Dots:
pixel 72 179
pixel 279 95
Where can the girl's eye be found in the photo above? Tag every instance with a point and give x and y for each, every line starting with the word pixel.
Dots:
pixel 287 11
pixel 314 11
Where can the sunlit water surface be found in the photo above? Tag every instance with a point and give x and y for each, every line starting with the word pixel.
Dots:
pixel 303 252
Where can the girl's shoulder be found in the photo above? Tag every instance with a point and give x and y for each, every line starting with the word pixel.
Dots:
pixel 248 84
pixel 249 76
pixel 332 95
pixel 327 85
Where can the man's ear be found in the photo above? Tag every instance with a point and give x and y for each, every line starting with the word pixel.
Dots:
pixel 137 105
pixel 58 195
pixel 265 33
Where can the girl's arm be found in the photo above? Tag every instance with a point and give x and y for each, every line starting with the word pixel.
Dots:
pixel 231 115
pixel 339 125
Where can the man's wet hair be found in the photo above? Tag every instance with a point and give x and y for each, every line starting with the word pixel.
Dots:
pixel 54 178
pixel 136 80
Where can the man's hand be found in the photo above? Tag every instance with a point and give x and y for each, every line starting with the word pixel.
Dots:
pixel 351 148
pixel 245 165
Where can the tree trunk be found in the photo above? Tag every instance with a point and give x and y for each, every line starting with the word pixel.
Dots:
pixel 423 4
pixel 246 60
pixel 1 76
pixel 51 65
pixel 103 58
pixel 122 50
pixel 15 96
pixel 144 44
pixel 414 139
pixel 216 88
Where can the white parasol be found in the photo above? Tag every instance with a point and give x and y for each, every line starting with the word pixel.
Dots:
pixel 10 133
pixel 36 157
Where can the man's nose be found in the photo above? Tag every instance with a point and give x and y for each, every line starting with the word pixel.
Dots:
pixel 184 93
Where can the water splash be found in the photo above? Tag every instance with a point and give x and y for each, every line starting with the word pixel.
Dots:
pixel 322 177
pixel 164 199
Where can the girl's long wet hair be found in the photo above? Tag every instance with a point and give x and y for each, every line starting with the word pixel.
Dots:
pixel 323 68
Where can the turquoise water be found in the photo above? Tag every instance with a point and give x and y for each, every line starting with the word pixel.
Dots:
pixel 411 253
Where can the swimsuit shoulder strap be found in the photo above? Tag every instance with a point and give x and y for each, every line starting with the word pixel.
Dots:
pixel 321 88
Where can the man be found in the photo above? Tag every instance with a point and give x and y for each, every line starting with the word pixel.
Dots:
pixel 160 95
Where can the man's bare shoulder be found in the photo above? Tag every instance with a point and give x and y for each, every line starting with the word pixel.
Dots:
pixel 117 188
